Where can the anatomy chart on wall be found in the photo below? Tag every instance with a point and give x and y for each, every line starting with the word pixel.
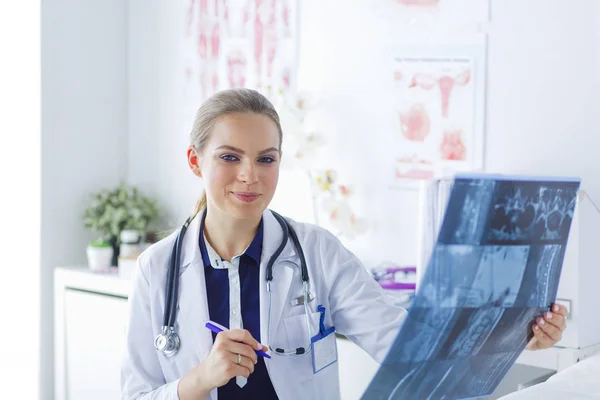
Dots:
pixel 494 269
pixel 239 43
pixel 435 114
pixel 437 127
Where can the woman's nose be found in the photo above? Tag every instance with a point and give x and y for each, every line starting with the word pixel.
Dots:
pixel 247 173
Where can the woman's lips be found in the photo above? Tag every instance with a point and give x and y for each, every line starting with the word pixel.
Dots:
pixel 246 197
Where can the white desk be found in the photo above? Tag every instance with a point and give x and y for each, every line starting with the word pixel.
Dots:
pixel 578 382
pixel 89 339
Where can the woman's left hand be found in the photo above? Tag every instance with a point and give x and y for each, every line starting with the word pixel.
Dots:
pixel 548 329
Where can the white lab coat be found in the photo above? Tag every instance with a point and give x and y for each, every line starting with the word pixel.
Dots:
pixel 355 304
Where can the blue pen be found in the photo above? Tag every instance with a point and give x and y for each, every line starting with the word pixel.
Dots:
pixel 216 328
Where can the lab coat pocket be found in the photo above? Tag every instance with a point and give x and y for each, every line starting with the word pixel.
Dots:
pixel 298 335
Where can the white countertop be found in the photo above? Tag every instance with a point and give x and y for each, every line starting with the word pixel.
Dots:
pixel 80 277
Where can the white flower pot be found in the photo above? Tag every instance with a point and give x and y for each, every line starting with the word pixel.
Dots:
pixel 129 236
pixel 128 250
pixel 99 258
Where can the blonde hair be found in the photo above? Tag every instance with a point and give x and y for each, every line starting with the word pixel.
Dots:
pixel 225 102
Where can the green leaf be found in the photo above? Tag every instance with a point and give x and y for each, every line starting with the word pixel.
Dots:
pixel 100 243
pixel 125 207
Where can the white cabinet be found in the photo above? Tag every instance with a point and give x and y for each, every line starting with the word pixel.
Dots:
pixel 580 275
pixel 95 338
pixel 90 325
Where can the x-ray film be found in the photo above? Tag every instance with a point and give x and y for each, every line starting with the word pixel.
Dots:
pixel 494 269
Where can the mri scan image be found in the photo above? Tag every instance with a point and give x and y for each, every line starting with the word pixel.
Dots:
pixel 494 268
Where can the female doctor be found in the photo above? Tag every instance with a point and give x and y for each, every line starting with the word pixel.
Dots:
pixel 238 269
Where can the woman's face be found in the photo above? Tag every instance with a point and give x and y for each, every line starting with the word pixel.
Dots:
pixel 240 165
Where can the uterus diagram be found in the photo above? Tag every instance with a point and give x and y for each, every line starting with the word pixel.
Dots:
pixel 415 123
pixel 446 83
pixel 452 147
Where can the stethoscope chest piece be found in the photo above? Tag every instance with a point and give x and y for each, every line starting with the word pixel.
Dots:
pixel 167 342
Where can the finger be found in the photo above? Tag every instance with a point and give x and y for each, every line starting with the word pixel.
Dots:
pixel 234 369
pixel 559 309
pixel 228 362
pixel 238 336
pixel 242 335
pixel 243 349
pixel 244 362
pixel 223 344
pixel 556 319
pixel 543 341
pixel 550 330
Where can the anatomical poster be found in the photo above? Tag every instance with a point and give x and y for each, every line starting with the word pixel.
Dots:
pixel 436 114
pixel 494 269
pixel 239 43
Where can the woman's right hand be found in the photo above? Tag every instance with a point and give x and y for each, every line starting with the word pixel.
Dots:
pixel 221 364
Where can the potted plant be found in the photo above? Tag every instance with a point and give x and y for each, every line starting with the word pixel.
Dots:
pixel 100 255
pixel 119 209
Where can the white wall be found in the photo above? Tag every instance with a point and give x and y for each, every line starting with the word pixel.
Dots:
pixel 84 132
pixel 542 77
pixel 20 200
pixel 543 107
pixel 543 89
pixel 158 136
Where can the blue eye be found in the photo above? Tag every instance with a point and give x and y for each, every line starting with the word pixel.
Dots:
pixel 266 160
pixel 229 157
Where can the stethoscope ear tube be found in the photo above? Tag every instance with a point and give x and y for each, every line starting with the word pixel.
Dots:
pixel 286 234
pixel 169 290
pixel 303 267
pixel 175 277
pixel 168 341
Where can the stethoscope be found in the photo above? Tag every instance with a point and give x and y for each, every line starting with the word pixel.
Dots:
pixel 168 341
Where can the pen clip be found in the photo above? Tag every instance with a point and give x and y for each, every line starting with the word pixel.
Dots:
pixel 299 301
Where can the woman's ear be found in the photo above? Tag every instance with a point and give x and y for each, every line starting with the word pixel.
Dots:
pixel 194 161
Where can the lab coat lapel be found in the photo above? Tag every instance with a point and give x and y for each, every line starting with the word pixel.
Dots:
pixel 282 277
pixel 193 313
